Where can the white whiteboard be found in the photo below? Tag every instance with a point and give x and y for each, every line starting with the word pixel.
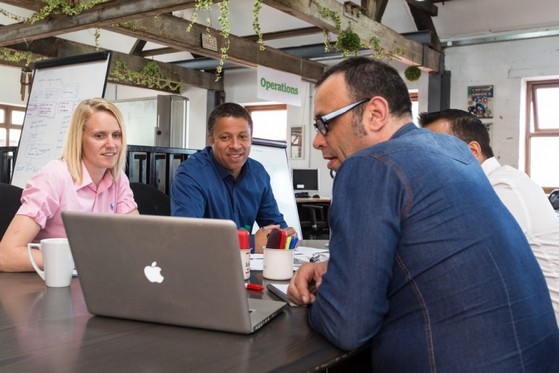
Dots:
pixel 273 157
pixel 58 86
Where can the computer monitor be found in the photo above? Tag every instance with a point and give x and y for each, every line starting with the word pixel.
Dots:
pixel 305 179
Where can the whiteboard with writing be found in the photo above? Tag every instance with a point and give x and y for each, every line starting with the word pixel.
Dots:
pixel 58 86
pixel 273 156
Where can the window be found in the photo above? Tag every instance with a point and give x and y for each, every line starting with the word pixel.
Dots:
pixel 542 133
pixel 11 122
pixel 414 97
pixel 270 121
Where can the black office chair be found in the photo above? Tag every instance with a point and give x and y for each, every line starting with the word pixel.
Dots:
pixel 316 228
pixel 554 198
pixel 150 200
pixel 10 196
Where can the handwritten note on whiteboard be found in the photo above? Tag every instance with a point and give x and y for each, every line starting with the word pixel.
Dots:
pixel 58 86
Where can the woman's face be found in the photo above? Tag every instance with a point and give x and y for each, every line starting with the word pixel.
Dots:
pixel 102 141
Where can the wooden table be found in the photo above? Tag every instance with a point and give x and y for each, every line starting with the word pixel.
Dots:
pixel 50 330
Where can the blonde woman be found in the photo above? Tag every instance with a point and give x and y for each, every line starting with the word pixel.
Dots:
pixel 89 176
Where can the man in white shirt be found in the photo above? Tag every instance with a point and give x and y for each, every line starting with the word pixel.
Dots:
pixel 524 198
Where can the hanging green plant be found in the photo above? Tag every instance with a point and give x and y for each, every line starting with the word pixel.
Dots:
pixel 335 17
pixel 412 73
pixel 11 55
pixel 348 42
pixel 201 5
pixel 256 23
pixel 225 32
pixel 55 7
pixel 150 76
pixel 223 19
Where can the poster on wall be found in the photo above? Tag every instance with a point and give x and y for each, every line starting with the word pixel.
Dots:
pixel 480 101
pixel 297 143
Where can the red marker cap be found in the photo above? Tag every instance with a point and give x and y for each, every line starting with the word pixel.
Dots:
pixel 244 239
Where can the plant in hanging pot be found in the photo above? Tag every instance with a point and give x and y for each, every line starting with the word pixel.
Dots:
pixel 348 42
pixel 412 73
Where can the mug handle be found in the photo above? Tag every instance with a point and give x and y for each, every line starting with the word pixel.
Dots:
pixel 30 247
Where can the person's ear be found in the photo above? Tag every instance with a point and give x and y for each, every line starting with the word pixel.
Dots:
pixel 210 140
pixel 475 148
pixel 376 113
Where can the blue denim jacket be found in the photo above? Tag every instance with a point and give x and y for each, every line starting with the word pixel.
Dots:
pixel 429 266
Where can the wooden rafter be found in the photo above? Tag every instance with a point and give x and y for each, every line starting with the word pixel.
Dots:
pixel 164 29
pixel 403 49
pixel 53 47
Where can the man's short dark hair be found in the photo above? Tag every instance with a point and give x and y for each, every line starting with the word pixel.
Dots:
pixel 366 78
pixel 466 126
pixel 228 109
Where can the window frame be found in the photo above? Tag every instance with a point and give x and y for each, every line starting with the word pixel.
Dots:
pixel 267 107
pixel 532 118
pixel 8 124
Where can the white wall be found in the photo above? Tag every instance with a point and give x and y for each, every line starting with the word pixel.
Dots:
pixel 10 92
pixel 504 65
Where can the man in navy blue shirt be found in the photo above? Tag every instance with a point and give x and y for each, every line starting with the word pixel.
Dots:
pixel 222 182
pixel 427 267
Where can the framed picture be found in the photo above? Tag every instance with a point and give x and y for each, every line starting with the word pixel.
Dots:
pixel 297 150
pixel 480 101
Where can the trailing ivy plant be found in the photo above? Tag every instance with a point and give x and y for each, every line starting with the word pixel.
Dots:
pixel 225 32
pixel 11 55
pixel 256 9
pixel 348 42
pixel 68 7
pixel 52 8
pixel 149 76
pixel 223 19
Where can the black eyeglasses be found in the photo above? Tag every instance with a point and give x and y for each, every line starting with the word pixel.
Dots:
pixel 322 124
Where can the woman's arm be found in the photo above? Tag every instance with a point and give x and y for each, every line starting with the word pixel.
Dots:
pixel 13 247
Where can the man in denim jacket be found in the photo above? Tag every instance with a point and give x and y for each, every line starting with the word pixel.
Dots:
pixel 427 266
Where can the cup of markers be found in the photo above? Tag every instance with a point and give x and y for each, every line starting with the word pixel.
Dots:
pixel 278 256
pixel 244 245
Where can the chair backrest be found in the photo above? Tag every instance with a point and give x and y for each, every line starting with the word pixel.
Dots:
pixel 10 196
pixel 150 200
pixel 554 198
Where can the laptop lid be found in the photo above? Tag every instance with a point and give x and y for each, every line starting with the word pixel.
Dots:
pixel 173 270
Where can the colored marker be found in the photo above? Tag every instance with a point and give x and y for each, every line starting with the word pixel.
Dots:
pixel 254 287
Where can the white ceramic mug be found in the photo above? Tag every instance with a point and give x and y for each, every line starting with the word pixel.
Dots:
pixel 278 264
pixel 57 261
pixel 245 263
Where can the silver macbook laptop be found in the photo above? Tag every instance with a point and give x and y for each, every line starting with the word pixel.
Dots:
pixel 181 271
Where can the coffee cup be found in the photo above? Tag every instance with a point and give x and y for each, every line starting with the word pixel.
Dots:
pixel 278 264
pixel 245 263
pixel 58 263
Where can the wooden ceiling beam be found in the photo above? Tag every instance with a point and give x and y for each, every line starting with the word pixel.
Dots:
pixel 170 31
pixel 403 49
pixel 422 17
pixel 164 29
pixel 374 8
pixel 112 12
pixel 52 47
pixel 426 6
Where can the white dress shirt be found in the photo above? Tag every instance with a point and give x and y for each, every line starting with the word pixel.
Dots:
pixel 532 210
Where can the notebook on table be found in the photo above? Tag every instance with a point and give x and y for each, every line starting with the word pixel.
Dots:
pixel 172 270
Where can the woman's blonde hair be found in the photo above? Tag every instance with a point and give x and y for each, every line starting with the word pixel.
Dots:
pixel 73 145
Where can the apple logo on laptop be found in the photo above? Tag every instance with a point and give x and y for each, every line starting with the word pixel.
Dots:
pixel 153 273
